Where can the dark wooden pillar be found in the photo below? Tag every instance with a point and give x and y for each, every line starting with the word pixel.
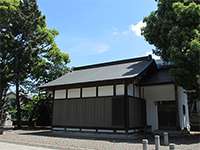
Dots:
pixel 81 92
pixel 97 91
pixel 114 89
pixel 66 93
pixel 126 108
pixel 53 99
pixel 177 109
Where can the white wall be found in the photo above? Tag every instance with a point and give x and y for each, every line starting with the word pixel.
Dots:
pixel 120 89
pixel 130 90
pixel 89 92
pixel 183 101
pixel 105 90
pixel 60 94
pixel 74 93
pixel 136 91
pixel 152 94
pixel 163 92
pixel 133 90
pixel 152 114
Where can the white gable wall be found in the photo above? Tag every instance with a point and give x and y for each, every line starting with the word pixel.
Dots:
pixel 152 94
pixel 183 102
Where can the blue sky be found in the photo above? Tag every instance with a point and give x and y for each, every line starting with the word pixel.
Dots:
pixel 93 31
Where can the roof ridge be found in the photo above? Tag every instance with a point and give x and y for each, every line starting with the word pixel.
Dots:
pixel 149 57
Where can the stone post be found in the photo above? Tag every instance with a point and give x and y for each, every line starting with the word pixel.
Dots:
pixel 171 146
pixel 145 144
pixel 157 142
pixel 166 138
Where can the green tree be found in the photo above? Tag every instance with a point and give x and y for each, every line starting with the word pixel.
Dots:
pixel 174 29
pixel 6 74
pixel 33 51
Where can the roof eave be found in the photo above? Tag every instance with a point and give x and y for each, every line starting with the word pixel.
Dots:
pixel 90 82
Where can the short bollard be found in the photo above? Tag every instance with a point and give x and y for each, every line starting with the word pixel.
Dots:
pixel 157 142
pixel 145 144
pixel 171 146
pixel 166 138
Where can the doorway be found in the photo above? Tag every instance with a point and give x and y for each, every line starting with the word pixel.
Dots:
pixel 167 114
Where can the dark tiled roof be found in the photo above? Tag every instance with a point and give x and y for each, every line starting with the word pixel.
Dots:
pixel 123 69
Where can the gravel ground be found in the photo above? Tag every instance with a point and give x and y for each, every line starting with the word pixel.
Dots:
pixel 88 141
pixel 11 146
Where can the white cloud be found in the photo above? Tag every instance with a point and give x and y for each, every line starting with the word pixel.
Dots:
pixel 153 55
pixel 86 46
pixel 136 28
pixel 125 32
pixel 120 33
pixel 101 47
pixel 115 33
pixel 133 28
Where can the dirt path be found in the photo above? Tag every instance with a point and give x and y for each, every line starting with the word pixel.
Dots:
pixel 87 141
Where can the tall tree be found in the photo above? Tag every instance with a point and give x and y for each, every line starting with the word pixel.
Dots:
pixel 6 74
pixel 31 44
pixel 174 29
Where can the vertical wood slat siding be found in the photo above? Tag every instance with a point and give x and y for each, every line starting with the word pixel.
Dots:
pixel 89 112
pixel 101 112
pixel 118 112
pixel 136 112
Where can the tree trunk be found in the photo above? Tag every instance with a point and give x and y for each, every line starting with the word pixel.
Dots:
pixel 18 103
pixel 2 104
pixel 1 94
pixel 30 120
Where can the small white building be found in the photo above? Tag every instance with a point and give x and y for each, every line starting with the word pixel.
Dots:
pixel 166 102
pixel 120 95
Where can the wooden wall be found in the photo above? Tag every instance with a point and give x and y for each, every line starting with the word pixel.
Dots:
pixel 85 112
pixel 98 112
pixel 137 112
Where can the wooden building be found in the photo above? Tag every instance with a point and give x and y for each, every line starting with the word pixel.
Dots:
pixel 119 96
